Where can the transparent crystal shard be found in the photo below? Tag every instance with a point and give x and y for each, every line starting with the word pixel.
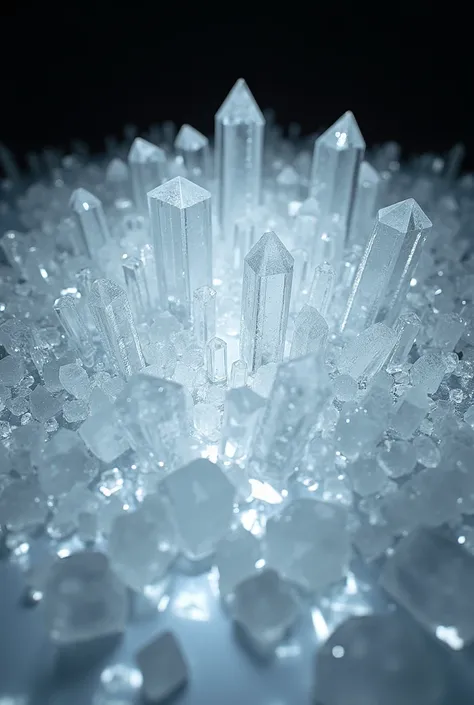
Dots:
pixel 136 286
pixel 309 544
pixel 239 128
pixel 75 380
pixel 406 329
pixel 142 544
pixel 381 658
pixel 365 355
pixel 91 219
pixel 365 205
pixel 193 147
pixel 163 668
pixel 83 599
pixel 68 311
pixel 154 419
pixel 322 288
pixel 114 320
pixel 216 361
pixel 265 608
pixel 338 153
pixel 204 314
pixel 310 335
pixel 415 226
pixel 242 411
pixel 298 396
pixel 236 556
pixel 238 374
pixel 266 292
pixel 147 164
pixel 388 262
pixel 180 214
pixel 201 502
pixel 433 578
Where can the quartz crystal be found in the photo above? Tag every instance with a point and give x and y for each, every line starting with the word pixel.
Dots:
pixel 148 169
pixel 193 147
pixel 242 411
pixel 365 204
pixel 92 222
pixel 311 333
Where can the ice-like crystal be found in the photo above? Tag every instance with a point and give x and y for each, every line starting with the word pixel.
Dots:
pixel 180 218
pixel 311 333
pixel 338 153
pixel 201 500
pixel 83 599
pixel 101 432
pixel 44 405
pixel 239 128
pixel 406 329
pixel 448 329
pixel 268 272
pixel 208 421
pixel 299 394
pixel 242 411
pixel 398 459
pixel 148 167
pixel 236 558
pixel 365 355
pixel 391 255
pixel 216 361
pixel 75 380
pixel 70 317
pixel 113 318
pixel 365 204
pixel 322 288
pixel 308 543
pixel 410 413
pixel 12 371
pixel 137 287
pixel 163 668
pixel 91 219
pixel 428 371
pixel 204 314
pixel 265 608
pixel 238 374
pixel 194 149
pixel 64 462
pixel 23 504
pixel 361 424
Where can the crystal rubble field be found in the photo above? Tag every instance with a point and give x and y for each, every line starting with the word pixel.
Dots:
pixel 253 358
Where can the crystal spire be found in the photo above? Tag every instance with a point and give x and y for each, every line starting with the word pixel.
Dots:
pixel 239 128
pixel 113 317
pixel 193 147
pixel 69 316
pixel 365 204
pixel 148 169
pixel 384 272
pixel 91 219
pixel 311 333
pixel 266 291
pixel 180 215
pixel 338 153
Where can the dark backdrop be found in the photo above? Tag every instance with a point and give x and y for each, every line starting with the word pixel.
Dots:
pixel 83 70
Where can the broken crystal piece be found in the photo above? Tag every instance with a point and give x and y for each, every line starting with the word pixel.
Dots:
pixel 83 599
pixel 309 544
pixel 201 499
pixel 163 668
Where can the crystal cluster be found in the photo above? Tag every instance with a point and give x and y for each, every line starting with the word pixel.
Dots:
pixel 250 358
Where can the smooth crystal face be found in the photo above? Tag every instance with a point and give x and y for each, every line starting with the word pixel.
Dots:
pixel 163 667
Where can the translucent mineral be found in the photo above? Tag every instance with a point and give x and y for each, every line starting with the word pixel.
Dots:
pixel 397 459
pixel 147 164
pixel 12 371
pixel 75 380
pixel 236 557
pixel 102 434
pixel 310 334
pixel 193 147
pixel 91 219
pixel 23 504
pixel 163 668
pixel 365 355
pixel 44 405
pixel 83 599
pixel 64 462
pixel 242 411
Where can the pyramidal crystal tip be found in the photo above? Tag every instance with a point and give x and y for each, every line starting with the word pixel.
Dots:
pixel 404 216
pixel 82 200
pixel 269 256
pixel 240 106
pixel 180 193
pixel 344 134
pixel 143 151
pixel 190 140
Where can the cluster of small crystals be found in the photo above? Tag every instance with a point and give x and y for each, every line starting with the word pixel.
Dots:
pixel 254 353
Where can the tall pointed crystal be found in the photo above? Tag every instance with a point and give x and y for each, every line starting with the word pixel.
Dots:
pixel 91 219
pixel 338 153
pixel 69 315
pixel 299 394
pixel 311 333
pixel 266 291
pixel 365 204
pixel 239 128
pixel 386 266
pixel 113 317
pixel 148 169
pixel 180 216
pixel 193 147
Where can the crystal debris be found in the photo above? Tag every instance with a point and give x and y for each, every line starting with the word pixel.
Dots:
pixel 243 394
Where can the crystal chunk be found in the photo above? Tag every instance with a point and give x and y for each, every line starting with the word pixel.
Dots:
pixel 365 204
pixel 406 329
pixel 75 380
pixel 311 333
pixel 83 599
pixel 427 372
pixel 91 219
pixel 193 147
pixel 242 411
pixel 238 374
pixel 12 371
pixel 398 459
pixel 69 315
pixel 43 405
pixel 163 668
pixel 236 556
pixel 201 500
pixel 65 462
pixel 365 355
pixel 102 434
pixel 308 543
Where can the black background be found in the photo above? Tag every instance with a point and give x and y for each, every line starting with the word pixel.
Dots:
pixel 84 70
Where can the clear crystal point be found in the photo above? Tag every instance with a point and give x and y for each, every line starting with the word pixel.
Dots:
pixel 266 292
pixel 193 147
pixel 91 219
pixel 366 200
pixel 311 333
pixel 147 164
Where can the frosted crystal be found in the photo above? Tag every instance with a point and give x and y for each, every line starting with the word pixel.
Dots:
pixel 238 374
pixel 193 147
pixel 398 459
pixel 264 378
pixel 298 396
pixel 311 333
pixel 322 288
pixel 236 556
pixel 42 404
pixel 91 219
pixel 366 354
pixel 379 659
pixel 367 477
pixel 69 508
pixel 201 500
pixel 147 164
pixel 410 413
pixel 75 410
pixel 308 543
pixel 387 265
pixel 83 599
pixel 163 357
pixel 360 425
pixel 449 328
pixel 242 411
pixel 163 668
pixel 136 286
pixel 265 608
pixel 268 272
pixel 239 128
pixel 12 371
pixel 216 358
pixel 433 578
pixel 204 314
pixel 113 318
pixel 70 317
pixel 427 452
pixel 75 380
pixel 208 421
pixel 180 217
pixel 428 371
pixel 365 204
pixel 102 434
pixel 65 462
pixel 406 329
pixel 345 388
